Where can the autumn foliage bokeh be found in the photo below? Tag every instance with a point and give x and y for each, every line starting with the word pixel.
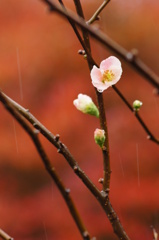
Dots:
pixel 40 69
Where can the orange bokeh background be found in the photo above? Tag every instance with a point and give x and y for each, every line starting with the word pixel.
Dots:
pixel 40 69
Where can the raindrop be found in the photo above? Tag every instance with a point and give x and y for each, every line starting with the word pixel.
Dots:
pixel 99 90
pixel 121 164
pixel 15 135
pixel 19 74
pixel 138 170
pixel 45 231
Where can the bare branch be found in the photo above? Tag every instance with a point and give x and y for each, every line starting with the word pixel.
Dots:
pixel 129 57
pixel 50 169
pixel 102 197
pixel 62 149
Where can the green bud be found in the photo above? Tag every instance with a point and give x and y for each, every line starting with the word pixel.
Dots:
pixel 137 105
pixel 85 104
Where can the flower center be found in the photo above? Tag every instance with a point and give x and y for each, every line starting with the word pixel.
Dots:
pixel 108 76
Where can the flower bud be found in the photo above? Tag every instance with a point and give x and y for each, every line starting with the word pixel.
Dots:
pixel 136 105
pixel 85 104
pixel 99 136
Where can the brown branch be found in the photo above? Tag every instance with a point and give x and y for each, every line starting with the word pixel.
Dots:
pixel 5 236
pixel 8 104
pixel 129 57
pixel 15 109
pixel 62 149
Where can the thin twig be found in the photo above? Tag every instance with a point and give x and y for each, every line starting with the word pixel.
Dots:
pixel 97 12
pixel 150 135
pixel 5 236
pixel 129 57
pixel 50 169
pixel 84 32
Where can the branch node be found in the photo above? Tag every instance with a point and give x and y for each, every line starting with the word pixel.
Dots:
pixel 98 18
pixel 106 202
pixel 59 150
pixel 61 145
pixel 36 131
pixel 101 180
pixel 35 125
pixel 57 137
pixel 75 168
pixel 130 56
pixel 112 216
pixel 67 190
pixel 107 190
pixel 81 52
pixel 104 194
pixel 85 235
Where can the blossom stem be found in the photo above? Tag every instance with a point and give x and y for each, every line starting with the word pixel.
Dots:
pixel 102 116
pixel 105 149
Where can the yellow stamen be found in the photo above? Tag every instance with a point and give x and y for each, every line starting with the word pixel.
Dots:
pixel 108 76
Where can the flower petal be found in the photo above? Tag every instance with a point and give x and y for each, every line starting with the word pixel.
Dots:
pixel 117 75
pixel 96 74
pixel 100 86
pixel 110 63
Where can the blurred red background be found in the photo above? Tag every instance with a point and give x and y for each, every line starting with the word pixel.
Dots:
pixel 40 69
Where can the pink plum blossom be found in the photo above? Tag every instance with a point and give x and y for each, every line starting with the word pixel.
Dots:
pixel 107 74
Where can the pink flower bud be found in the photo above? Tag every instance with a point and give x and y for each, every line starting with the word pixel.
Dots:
pixel 99 136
